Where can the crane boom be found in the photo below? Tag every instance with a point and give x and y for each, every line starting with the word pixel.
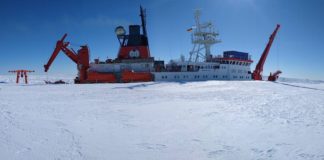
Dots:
pixel 61 45
pixel 257 73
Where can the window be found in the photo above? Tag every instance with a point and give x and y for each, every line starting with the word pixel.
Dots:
pixel 216 67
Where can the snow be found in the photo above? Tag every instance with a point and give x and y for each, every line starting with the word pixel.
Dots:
pixel 196 120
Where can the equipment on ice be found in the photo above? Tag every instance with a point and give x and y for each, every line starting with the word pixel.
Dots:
pixel 21 73
pixel 56 82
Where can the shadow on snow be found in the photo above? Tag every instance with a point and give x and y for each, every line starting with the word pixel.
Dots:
pixel 291 85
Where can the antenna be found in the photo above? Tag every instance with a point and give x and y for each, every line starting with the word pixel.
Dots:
pixel 143 19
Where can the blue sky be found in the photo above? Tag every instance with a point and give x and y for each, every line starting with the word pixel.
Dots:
pixel 30 29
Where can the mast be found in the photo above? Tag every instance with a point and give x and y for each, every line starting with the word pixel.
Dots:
pixel 203 37
pixel 143 20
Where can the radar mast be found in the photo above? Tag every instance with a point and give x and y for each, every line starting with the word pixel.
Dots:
pixel 203 37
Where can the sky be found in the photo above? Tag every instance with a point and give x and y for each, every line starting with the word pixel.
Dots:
pixel 29 31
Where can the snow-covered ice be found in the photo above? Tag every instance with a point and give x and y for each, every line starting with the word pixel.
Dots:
pixel 180 121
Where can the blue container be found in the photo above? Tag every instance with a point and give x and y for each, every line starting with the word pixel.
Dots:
pixel 236 54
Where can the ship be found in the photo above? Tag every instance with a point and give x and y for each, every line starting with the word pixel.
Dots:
pixel 134 62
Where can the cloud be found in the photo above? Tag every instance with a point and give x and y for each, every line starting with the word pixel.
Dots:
pixel 21 28
pixel 241 3
pixel 157 4
pixel 95 21
pixel 103 21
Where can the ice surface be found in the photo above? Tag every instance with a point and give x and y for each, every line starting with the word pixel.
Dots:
pixel 196 120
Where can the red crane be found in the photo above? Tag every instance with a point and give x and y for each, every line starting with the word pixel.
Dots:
pixel 274 76
pixel 21 73
pixel 81 58
pixel 257 73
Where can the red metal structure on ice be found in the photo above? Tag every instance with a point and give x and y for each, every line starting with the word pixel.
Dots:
pixel 257 73
pixel 21 73
pixel 274 76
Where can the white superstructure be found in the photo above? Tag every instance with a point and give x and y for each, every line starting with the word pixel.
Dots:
pixel 202 65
